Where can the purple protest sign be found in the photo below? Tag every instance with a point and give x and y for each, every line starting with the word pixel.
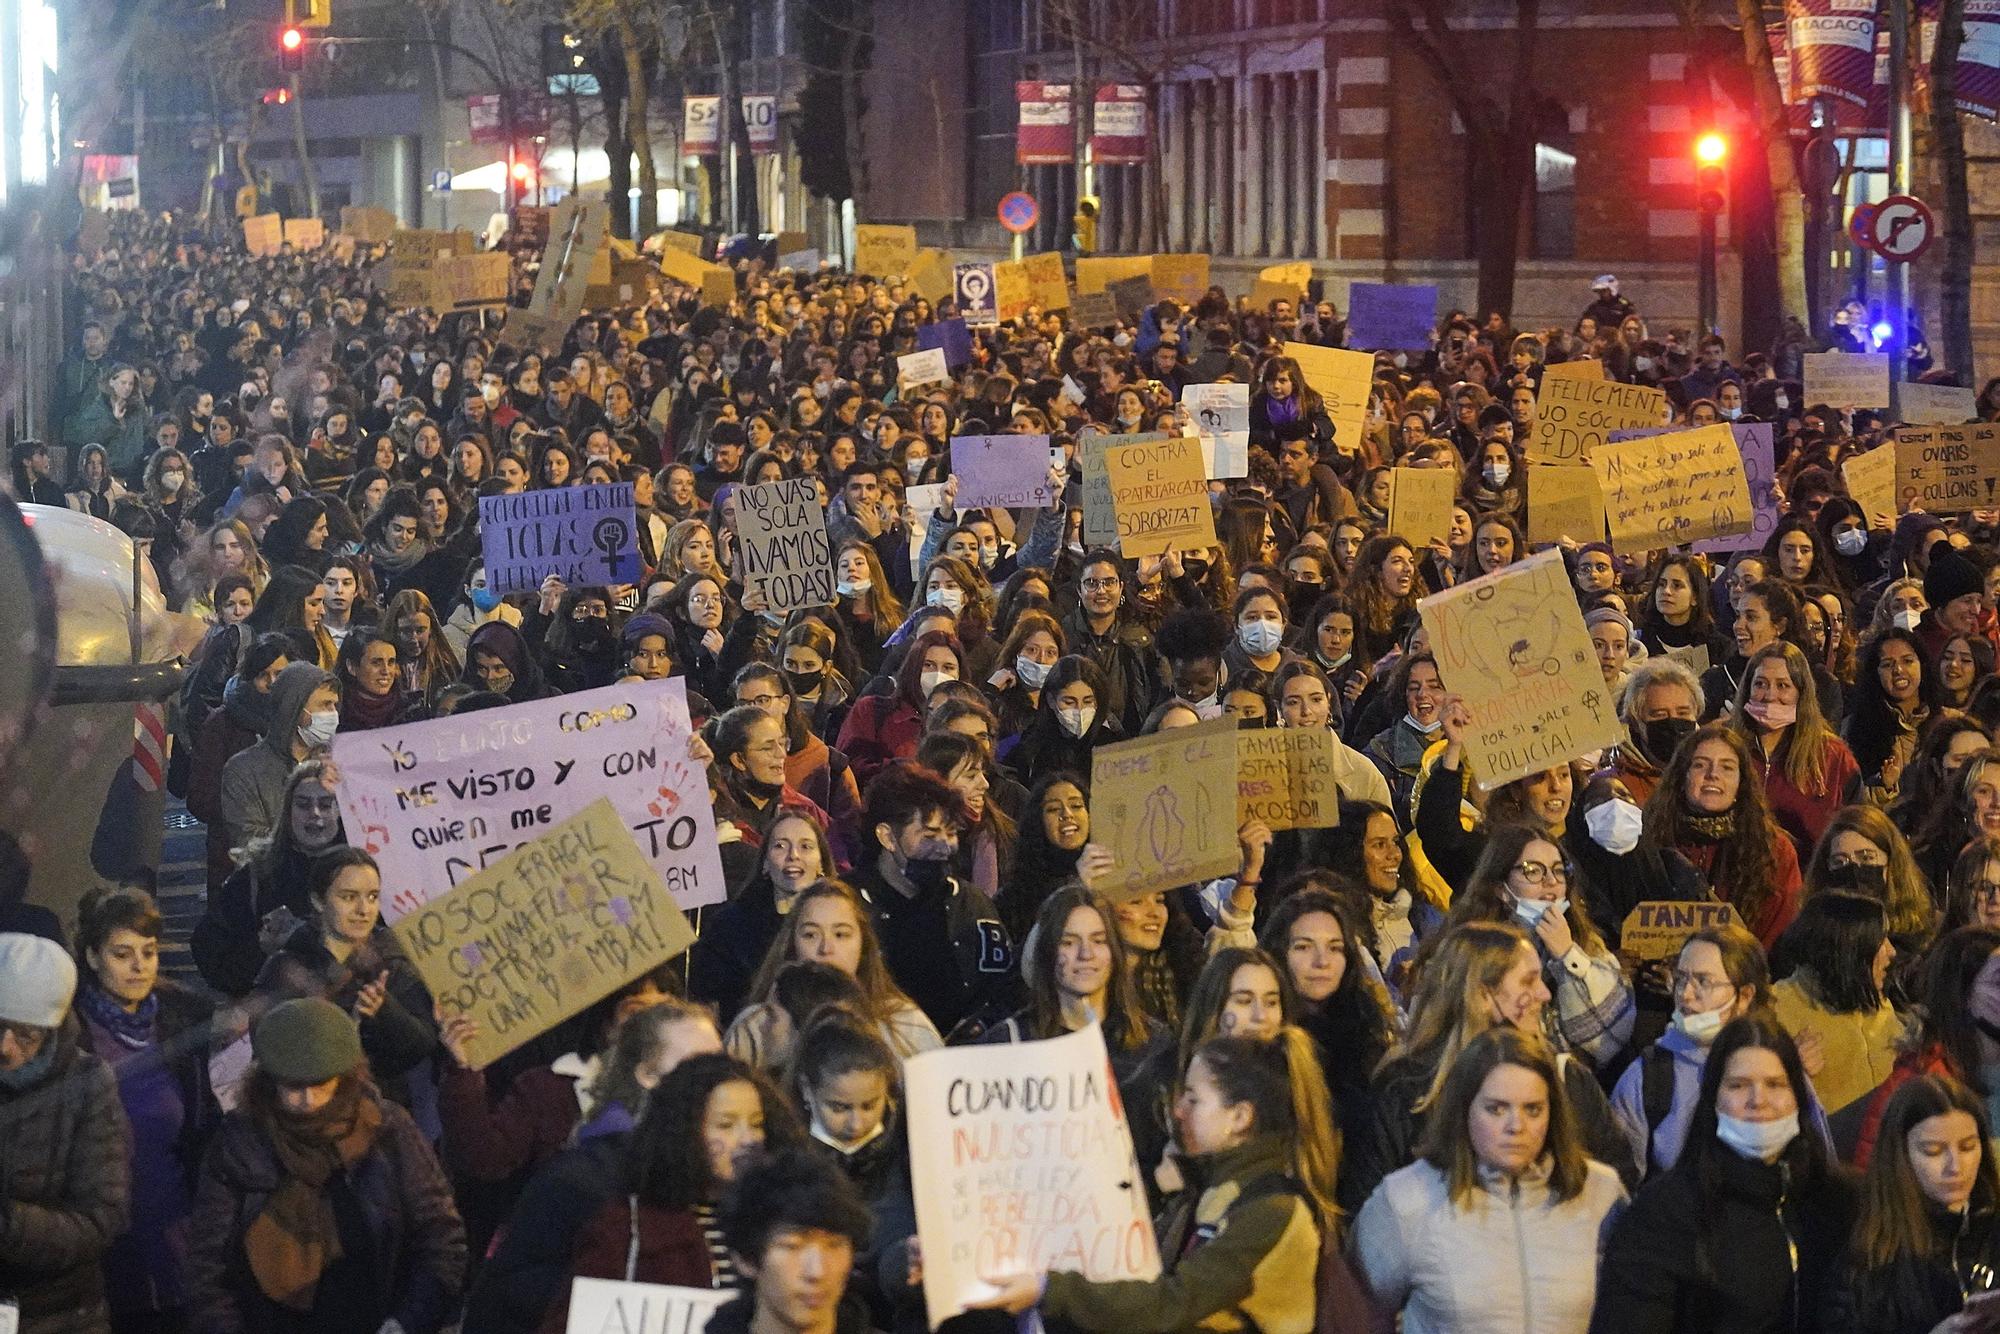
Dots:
pixel 950 335
pixel 1756 441
pixel 437 801
pixel 1390 316
pixel 1003 471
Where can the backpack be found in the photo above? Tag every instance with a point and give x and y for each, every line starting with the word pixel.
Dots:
pixel 1656 1094
pixel 1341 1303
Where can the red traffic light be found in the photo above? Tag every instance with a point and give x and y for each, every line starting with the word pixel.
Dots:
pixel 522 171
pixel 1711 148
pixel 291 39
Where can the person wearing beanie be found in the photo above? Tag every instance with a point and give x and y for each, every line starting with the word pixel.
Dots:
pixel 1956 592
pixel 305 713
pixel 321 1207
pixel 648 644
pixel 64 1181
pixel 1618 648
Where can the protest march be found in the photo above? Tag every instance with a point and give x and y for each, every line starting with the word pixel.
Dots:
pixel 771 797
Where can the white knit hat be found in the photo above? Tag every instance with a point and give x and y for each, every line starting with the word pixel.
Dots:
pixel 37 980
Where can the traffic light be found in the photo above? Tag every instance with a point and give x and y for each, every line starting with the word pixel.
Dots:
pixel 1711 173
pixel 291 50
pixel 523 181
pixel 277 97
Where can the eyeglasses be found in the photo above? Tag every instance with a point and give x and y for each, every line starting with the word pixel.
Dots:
pixel 1535 873
pixel 1703 986
pixel 760 701
pixel 1101 585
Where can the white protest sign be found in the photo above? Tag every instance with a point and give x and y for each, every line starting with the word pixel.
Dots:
pixel 1221 414
pixel 1938 404
pixel 781 531
pixel 226 1072
pixel 607 1306
pixel 1021 1162
pixel 915 370
pixel 1847 379
pixel 435 801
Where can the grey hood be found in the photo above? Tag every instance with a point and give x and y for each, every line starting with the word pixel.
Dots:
pixel 289 694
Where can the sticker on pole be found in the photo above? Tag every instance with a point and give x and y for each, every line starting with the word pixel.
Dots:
pixel 1018 211
pixel 1902 228
pixel 1859 220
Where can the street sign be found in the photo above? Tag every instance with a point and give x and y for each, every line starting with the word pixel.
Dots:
pixel 1858 224
pixel 441 181
pixel 1018 211
pixel 1902 229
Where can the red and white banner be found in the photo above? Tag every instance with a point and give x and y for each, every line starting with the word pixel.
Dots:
pixel 1978 55
pixel 1118 125
pixel 701 126
pixel 1046 134
pixel 760 117
pixel 1833 50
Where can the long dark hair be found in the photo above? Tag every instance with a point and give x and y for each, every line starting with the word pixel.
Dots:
pixel 1124 1020
pixel 1872 722
pixel 1743 869
pixel 1895 1244
pixel 1352 1027
pixel 666 1164
pixel 1837 936
pixel 1951 970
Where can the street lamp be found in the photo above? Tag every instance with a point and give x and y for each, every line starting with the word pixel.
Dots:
pixel 1711 197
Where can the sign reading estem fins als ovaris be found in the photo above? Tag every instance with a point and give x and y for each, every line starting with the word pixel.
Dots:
pixel 1021 1162
pixel 436 801
pixel 1512 645
pixel 781 530
pixel 555 925
pixel 584 534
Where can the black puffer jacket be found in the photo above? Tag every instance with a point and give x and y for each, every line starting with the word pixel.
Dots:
pixel 1684 1260
pixel 1918 1292
pixel 64 1190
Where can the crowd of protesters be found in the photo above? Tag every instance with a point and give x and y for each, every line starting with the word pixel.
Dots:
pixel 1402 1067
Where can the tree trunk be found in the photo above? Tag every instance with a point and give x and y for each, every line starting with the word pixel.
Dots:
pixel 1788 214
pixel 1499 192
pixel 863 21
pixel 308 177
pixel 1954 340
pixel 637 130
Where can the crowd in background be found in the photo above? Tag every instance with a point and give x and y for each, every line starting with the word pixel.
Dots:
pixel 1398 1066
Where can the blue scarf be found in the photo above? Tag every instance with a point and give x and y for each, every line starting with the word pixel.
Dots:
pixel 133 1028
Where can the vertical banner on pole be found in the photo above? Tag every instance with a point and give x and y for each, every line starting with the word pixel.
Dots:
pixel 1045 134
pixel 1118 125
pixel 701 126
pixel 1833 50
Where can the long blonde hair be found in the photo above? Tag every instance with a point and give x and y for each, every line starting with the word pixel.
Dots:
pixel 1453 1001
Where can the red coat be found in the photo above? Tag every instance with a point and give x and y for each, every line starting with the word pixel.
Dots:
pixel 1931 1060
pixel 1786 885
pixel 1805 815
pixel 879 729
pixel 529 1125
pixel 672 1250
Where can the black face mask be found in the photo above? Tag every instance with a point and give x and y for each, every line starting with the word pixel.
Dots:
pixel 927 874
pixel 1663 736
pixel 1870 880
pixel 804 683
pixel 758 788
pixel 591 634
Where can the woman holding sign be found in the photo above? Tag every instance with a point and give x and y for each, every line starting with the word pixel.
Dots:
pixel 1241 1246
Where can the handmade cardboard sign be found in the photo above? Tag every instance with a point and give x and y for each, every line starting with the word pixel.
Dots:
pixel 920 370
pixel 781 530
pixel 1166 805
pixel 884 251
pixel 1847 379
pixel 1420 501
pixel 1658 928
pixel 1574 415
pixel 1180 278
pixel 1020 1163
pixel 609 1306
pixel 1012 292
pixel 1871 480
pixel 584 534
pixel 1285 778
pixel 435 802
pixel 1047 286
pixel 1948 469
pixel 1667 490
pixel 1100 521
pixel 1937 404
pixel 1096 273
pixel 1564 502
pixel 1343 379
pixel 370 226
pixel 930 274
pixel 264 234
pixel 559 923
pixel 1159 493
pixel 305 233
pixel 1512 645
pixel 1092 310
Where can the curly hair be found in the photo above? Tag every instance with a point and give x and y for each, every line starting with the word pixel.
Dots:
pixel 1745 862
pixel 666 1160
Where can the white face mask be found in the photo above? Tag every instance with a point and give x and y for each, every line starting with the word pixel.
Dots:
pixel 1498 473
pixel 1076 721
pixel 1615 825
pixel 1530 911
pixel 1906 620
pixel 1032 673
pixel 825 1136
pixel 318 728
pixel 1642 364
pixel 1260 637
pixel 1730 414
pixel 1699 1028
pixel 1762 1140
pixel 170 482
pixel 1428 728
pixel 853 588
pixel 1784 401
pixel 1851 541
pixel 947 596
pixel 932 680
pixel 1210 707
